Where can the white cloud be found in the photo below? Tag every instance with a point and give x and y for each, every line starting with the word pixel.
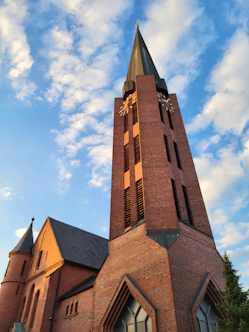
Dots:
pixel 63 172
pixel 84 201
pixel 228 107
pixel 75 163
pixel 21 231
pixel 6 192
pixel 177 33
pixel 239 253
pixel 39 98
pixel 104 228
pixel 206 143
pixel 14 43
pixel 217 175
pixel 233 234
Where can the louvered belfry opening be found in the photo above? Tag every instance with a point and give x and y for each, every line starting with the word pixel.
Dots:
pixel 127 208
pixel 177 156
pixel 140 199
pixel 167 148
pixel 126 123
pixel 137 149
pixel 175 198
pixel 135 119
pixel 126 150
pixel 187 204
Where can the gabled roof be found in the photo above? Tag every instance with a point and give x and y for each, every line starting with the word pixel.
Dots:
pixel 86 284
pixel 26 242
pixel 141 63
pixel 79 246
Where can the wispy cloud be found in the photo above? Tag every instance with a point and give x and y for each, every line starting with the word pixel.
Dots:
pixel 21 231
pixel 14 46
pixel 228 107
pixel 183 30
pixel 81 59
pixel 6 192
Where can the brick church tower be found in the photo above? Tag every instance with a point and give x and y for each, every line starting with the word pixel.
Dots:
pixel 162 254
pixel 13 283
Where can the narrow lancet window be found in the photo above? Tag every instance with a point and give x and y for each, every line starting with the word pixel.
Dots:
pixel 175 198
pixel 177 156
pixel 187 204
pixel 76 307
pixel 161 112
pixel 135 119
pixel 170 120
pixel 167 148
pixel 39 260
pixel 126 122
pixel 23 268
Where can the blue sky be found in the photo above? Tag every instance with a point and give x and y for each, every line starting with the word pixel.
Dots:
pixel 62 63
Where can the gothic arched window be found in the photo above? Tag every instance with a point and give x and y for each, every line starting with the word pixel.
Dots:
pixel 206 316
pixel 134 319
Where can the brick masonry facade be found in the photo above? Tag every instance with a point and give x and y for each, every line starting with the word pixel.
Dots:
pixel 165 280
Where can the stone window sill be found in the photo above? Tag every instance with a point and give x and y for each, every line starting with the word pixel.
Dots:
pixel 70 315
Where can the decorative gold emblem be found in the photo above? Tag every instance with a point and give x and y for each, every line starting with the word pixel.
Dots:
pixel 137 26
pixel 125 108
pixel 165 102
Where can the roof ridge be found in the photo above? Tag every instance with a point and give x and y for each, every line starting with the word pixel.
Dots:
pixel 77 228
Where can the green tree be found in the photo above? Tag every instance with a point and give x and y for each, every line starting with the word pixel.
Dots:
pixel 235 304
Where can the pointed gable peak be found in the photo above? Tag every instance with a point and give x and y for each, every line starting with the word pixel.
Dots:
pixel 26 242
pixel 141 63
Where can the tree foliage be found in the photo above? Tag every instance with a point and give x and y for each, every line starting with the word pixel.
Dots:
pixel 235 304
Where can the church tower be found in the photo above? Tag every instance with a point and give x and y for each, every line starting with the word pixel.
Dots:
pixel 14 280
pixel 162 256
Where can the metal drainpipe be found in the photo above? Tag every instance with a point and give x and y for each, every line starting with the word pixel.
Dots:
pixel 55 299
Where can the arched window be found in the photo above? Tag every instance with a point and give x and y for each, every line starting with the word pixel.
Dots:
pixel 26 314
pixel 34 309
pixel 67 310
pixel 71 310
pixel 76 307
pixel 39 260
pixel 134 319
pixel 206 316
pixel 23 268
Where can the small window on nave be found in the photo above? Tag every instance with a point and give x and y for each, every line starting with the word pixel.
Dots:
pixel 206 316
pixel 134 319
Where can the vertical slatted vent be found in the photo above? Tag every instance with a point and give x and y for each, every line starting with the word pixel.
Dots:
pixel 161 112
pixel 176 200
pixel 137 149
pixel 127 208
pixel 135 113
pixel 170 120
pixel 126 122
pixel 140 199
pixel 187 204
pixel 177 156
pixel 126 149
pixel 167 148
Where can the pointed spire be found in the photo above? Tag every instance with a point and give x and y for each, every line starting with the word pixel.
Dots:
pixel 141 63
pixel 26 242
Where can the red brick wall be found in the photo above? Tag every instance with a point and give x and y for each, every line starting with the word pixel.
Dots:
pixel 191 256
pixel 9 300
pixel 146 262
pixel 77 322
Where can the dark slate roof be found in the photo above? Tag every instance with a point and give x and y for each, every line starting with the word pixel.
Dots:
pixel 79 246
pixel 86 284
pixel 141 63
pixel 26 242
